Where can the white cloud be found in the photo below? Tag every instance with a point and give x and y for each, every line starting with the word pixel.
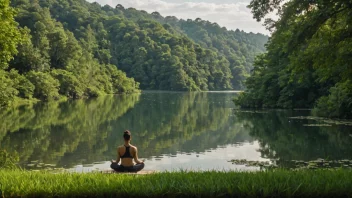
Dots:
pixel 231 15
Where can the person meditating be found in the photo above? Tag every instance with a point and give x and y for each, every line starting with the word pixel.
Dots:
pixel 126 153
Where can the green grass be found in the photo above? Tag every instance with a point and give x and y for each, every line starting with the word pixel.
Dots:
pixel 278 183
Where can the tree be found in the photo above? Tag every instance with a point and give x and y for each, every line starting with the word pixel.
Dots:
pixel 46 87
pixel 10 34
pixel 307 60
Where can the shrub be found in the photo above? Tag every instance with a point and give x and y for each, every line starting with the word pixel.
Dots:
pixel 70 86
pixel 46 87
pixel 338 103
pixel 7 90
pixel 22 84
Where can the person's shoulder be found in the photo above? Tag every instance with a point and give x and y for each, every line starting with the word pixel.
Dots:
pixel 119 147
pixel 134 147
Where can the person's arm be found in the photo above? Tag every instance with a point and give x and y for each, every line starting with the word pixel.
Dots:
pixel 136 157
pixel 118 157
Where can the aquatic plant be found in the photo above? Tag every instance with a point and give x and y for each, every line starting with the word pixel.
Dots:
pixel 8 160
pixel 297 164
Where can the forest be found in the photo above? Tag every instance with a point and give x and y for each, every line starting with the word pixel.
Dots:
pixel 53 49
pixel 308 58
pixel 238 47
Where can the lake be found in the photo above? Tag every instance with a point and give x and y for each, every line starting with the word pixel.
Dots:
pixel 172 130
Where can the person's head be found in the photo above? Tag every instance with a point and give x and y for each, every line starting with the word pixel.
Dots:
pixel 127 135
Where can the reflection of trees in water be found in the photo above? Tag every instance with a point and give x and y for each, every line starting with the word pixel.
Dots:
pixel 287 139
pixel 87 131
pixel 49 131
pixel 167 123
pixel 82 131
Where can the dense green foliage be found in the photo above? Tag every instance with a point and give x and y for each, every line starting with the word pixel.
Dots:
pixel 158 56
pixel 55 48
pixel 9 39
pixel 280 183
pixel 309 57
pixel 9 34
pixel 238 47
pixel 42 59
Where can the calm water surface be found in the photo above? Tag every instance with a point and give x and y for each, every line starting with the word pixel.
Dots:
pixel 173 131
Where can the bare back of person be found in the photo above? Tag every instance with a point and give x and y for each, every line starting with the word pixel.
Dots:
pixel 127 161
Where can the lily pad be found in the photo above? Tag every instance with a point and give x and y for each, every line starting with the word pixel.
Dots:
pixel 249 163
pixel 50 165
pixel 88 165
pixel 250 111
pixel 102 162
pixel 326 120
pixel 317 125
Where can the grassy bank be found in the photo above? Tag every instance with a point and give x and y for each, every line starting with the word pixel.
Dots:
pixel 179 184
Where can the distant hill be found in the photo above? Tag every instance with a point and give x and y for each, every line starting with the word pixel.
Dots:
pixel 239 47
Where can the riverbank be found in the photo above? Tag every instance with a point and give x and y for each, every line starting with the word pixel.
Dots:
pixel 279 183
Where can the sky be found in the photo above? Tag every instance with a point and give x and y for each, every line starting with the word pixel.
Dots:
pixel 232 14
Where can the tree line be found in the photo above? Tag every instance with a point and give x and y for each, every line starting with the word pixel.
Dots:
pixel 308 58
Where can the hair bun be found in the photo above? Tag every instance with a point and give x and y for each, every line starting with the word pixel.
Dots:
pixel 127 132
pixel 127 135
